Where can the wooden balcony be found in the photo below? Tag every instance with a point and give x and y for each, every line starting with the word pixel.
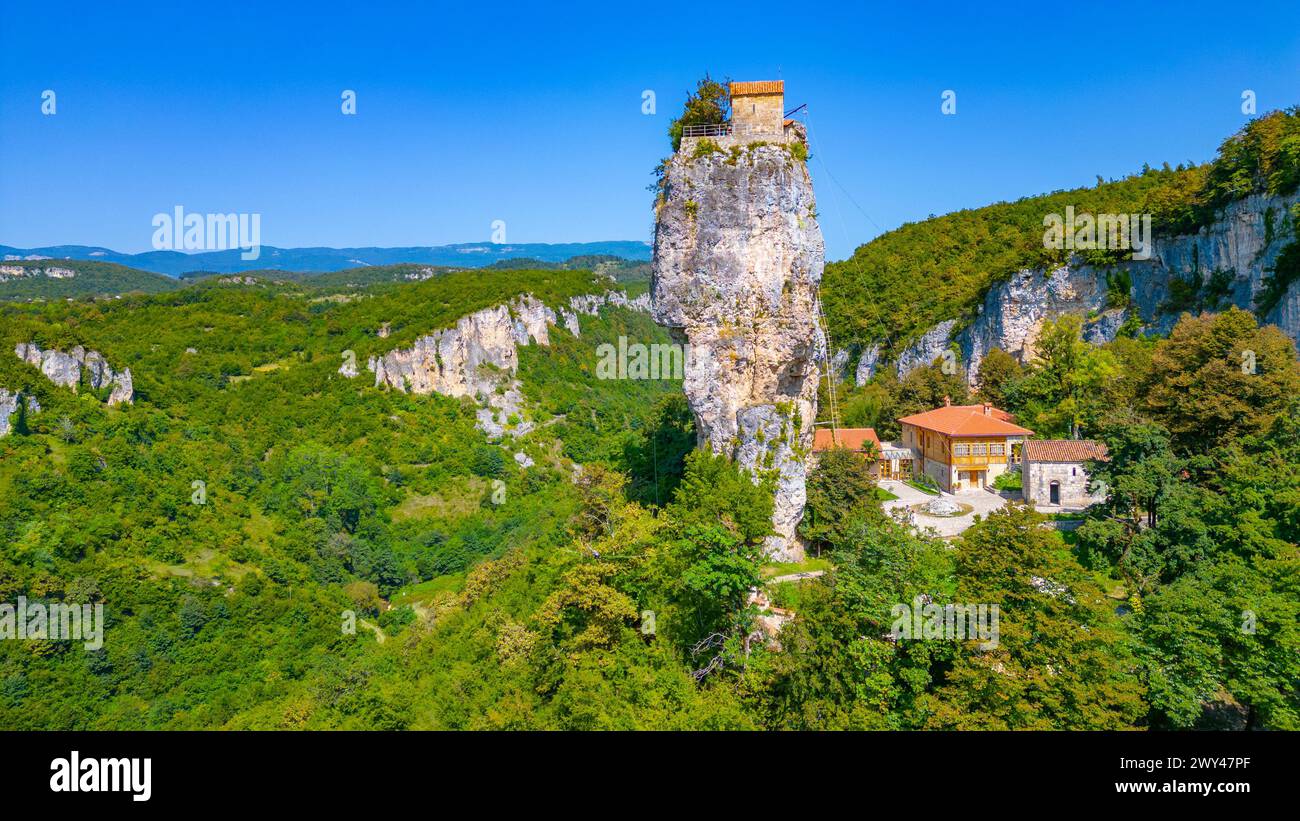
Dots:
pixel 981 460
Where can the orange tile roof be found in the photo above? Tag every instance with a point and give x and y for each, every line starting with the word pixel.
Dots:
pixel 967 420
pixel 1063 450
pixel 851 438
pixel 758 87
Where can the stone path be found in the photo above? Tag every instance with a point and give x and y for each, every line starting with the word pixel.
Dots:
pixel 982 502
pixel 379 632
pixel 796 577
pixel 907 495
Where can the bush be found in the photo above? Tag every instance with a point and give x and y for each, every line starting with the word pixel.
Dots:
pixel 488 462
pixel 704 148
pixel 1011 480
pixel 924 483
pixel 1279 280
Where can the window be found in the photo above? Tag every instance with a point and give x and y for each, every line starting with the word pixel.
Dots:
pixel 961 450
pixel 995 449
pixel 981 449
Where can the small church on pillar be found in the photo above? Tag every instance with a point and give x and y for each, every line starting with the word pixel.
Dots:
pixel 757 115
pixel 758 110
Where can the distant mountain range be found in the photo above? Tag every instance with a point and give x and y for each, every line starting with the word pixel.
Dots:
pixel 462 255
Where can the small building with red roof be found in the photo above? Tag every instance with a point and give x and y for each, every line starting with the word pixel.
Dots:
pixel 1056 472
pixel 858 440
pixel 888 460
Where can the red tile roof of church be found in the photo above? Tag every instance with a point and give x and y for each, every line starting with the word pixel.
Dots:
pixel 758 87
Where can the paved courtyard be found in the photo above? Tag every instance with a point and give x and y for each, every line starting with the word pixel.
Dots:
pixel 982 502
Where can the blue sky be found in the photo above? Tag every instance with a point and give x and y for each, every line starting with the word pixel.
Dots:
pixel 475 112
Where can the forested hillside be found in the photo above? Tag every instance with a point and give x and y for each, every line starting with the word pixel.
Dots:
pixel 60 279
pixel 251 493
pixel 614 596
pixel 907 280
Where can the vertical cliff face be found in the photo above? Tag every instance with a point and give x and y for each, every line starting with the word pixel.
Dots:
pixel 738 257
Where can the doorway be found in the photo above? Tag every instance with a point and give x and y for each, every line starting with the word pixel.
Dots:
pixel 1054 493
pixel 971 479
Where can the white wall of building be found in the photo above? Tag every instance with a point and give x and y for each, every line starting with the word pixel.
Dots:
pixel 1071 478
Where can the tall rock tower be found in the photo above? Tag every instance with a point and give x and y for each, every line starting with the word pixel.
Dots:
pixel 738 256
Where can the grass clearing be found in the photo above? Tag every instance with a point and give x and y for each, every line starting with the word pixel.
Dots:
pixel 423 591
pixel 455 498
pixel 809 565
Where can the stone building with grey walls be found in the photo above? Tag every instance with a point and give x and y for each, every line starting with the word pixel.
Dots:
pixel 1054 472
pixel 758 109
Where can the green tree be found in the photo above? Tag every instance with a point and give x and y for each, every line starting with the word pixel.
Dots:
pixel 1220 376
pixel 488 462
pixel 714 490
pixel 720 570
pixel 927 388
pixel 838 486
pixel 1152 522
pixel 313 481
pixel 997 369
pixel 840 670
pixel 1061 660
pixel 587 611
pixel 656 459
pixel 709 104
pixel 870 406
pixel 1056 395
pixel 1228 633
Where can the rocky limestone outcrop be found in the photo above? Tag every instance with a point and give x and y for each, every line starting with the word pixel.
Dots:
pixel 12 272
pixel 928 348
pixel 1230 259
pixel 78 366
pixel 10 402
pixel 867 364
pixel 590 305
pixel 478 357
pixel 839 364
pixel 1013 313
pixel 738 257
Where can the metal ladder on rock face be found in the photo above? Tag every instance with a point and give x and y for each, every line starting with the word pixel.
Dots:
pixel 830 381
